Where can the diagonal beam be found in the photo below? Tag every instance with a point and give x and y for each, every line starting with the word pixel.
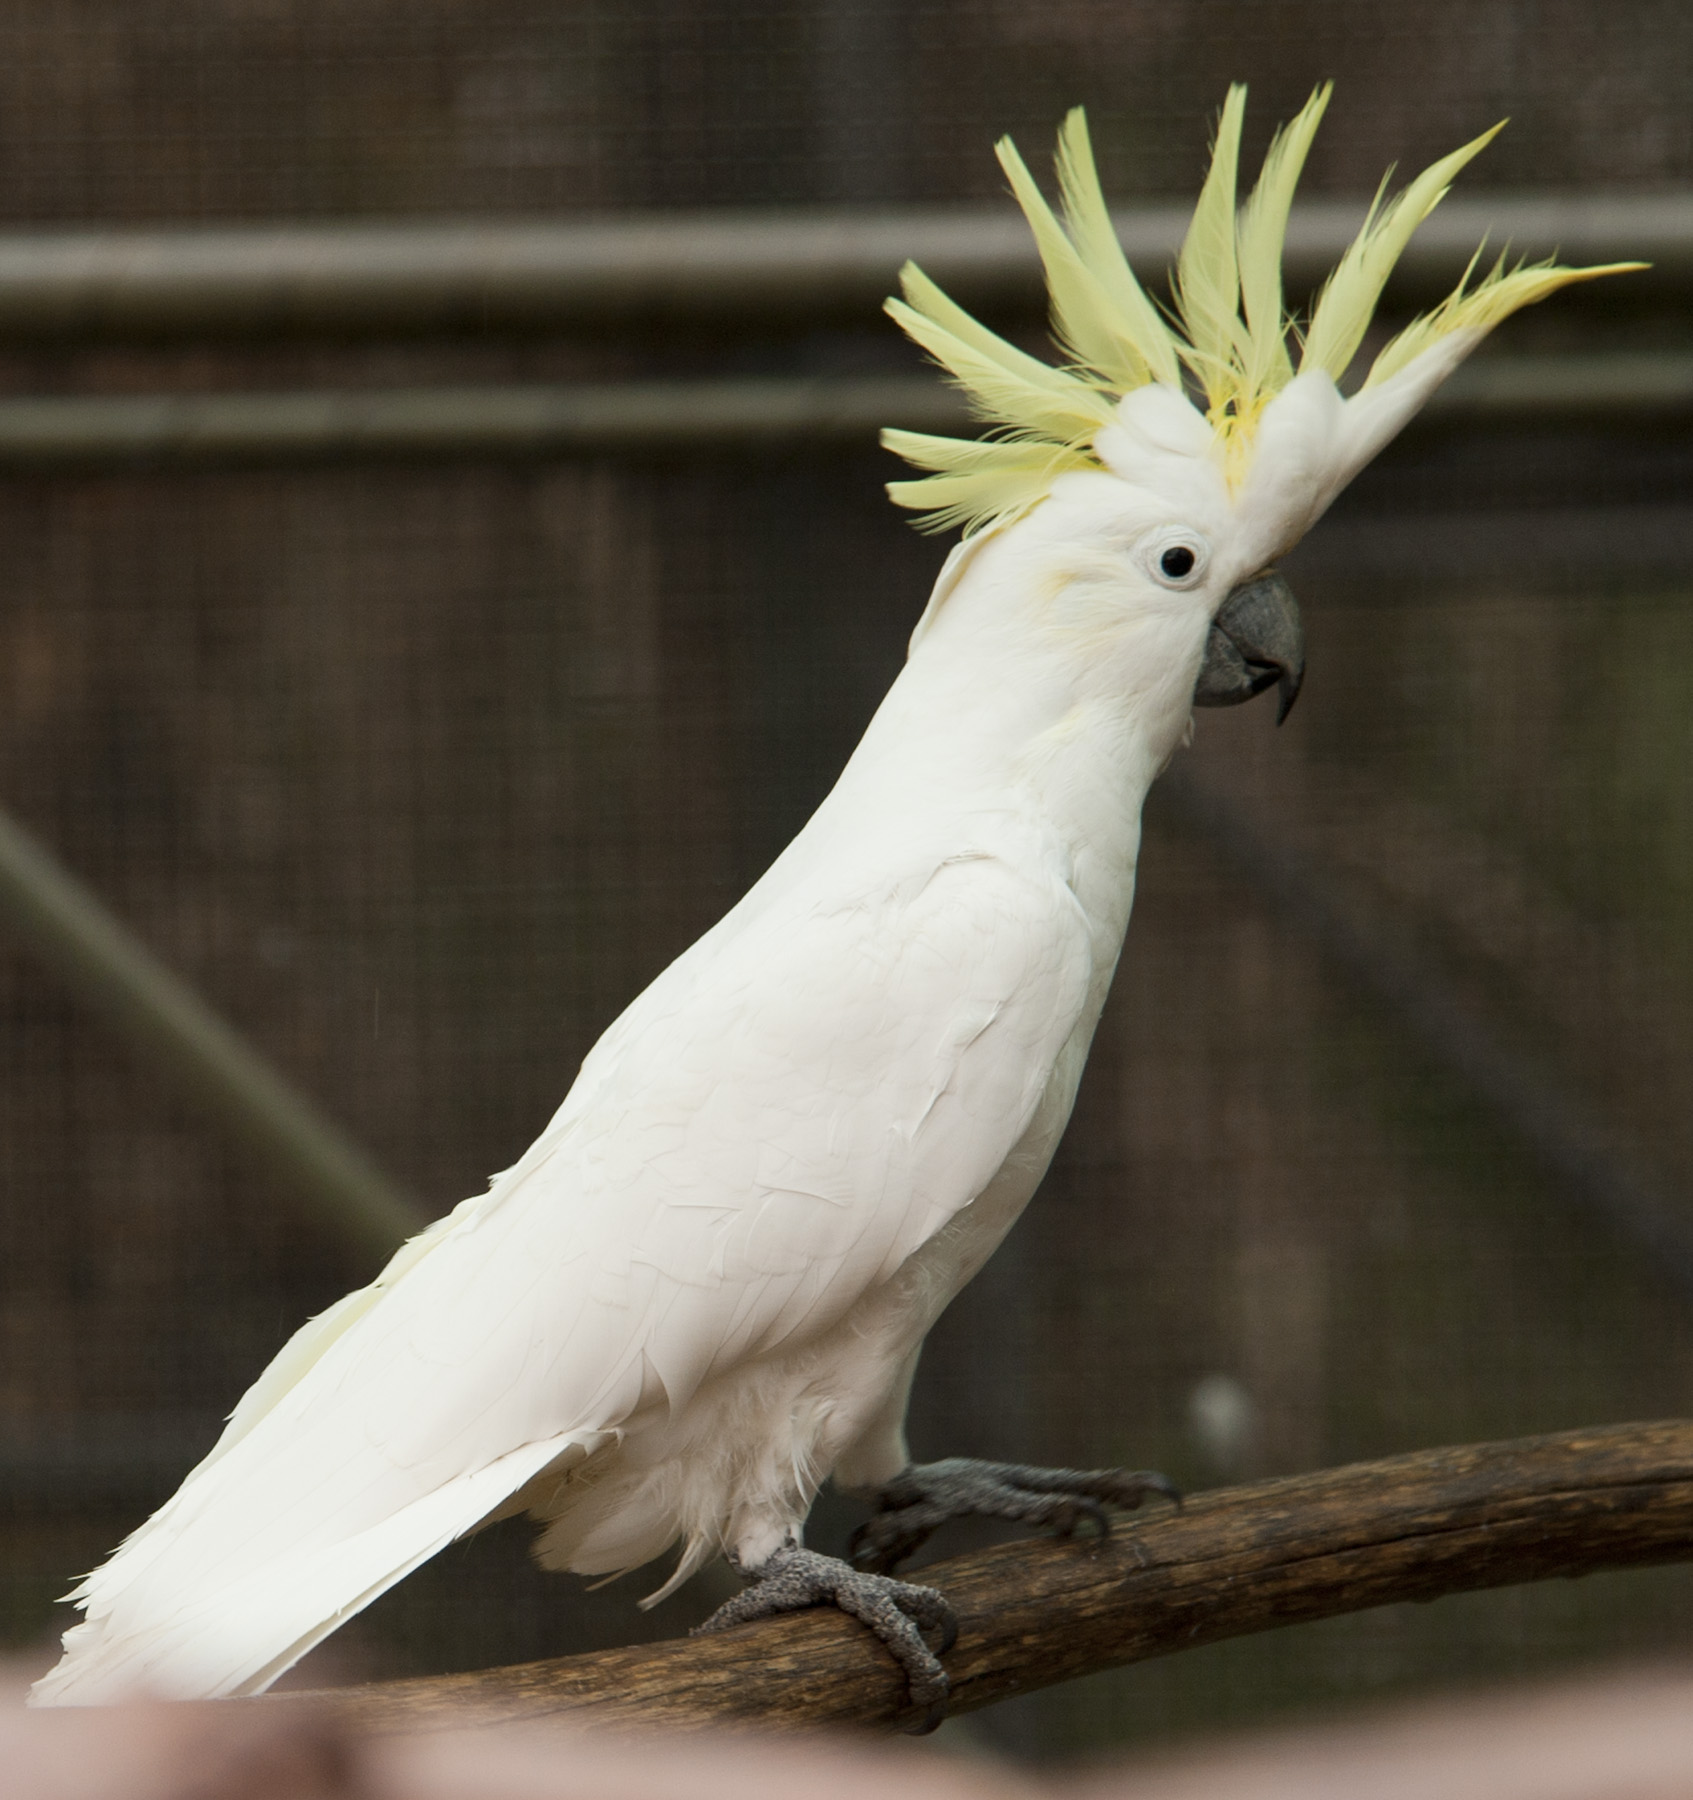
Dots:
pixel 1553 1123
pixel 96 955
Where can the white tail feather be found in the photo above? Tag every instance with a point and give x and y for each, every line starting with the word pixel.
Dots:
pixel 237 1637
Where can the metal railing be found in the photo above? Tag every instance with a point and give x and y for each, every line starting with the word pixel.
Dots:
pixel 516 422
pixel 387 279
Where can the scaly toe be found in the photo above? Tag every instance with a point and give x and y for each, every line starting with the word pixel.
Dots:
pixel 898 1612
pixel 922 1498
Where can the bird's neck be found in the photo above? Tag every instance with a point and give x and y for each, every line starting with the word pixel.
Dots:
pixel 1002 734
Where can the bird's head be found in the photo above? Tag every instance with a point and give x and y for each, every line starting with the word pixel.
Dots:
pixel 1176 454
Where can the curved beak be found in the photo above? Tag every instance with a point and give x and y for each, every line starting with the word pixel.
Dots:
pixel 1256 642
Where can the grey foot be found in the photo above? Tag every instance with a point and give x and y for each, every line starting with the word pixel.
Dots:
pixel 922 1498
pixel 896 1611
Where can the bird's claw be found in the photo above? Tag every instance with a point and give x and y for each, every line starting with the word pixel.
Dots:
pixel 898 1612
pixel 922 1498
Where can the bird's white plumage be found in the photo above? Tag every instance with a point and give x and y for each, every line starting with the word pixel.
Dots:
pixel 705 1285
pixel 770 1132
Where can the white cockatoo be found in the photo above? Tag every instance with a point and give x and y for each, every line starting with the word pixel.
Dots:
pixel 703 1290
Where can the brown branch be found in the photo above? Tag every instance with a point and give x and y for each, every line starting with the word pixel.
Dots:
pixel 1235 1561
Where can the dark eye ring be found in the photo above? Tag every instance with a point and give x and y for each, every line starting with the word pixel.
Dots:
pixel 1177 561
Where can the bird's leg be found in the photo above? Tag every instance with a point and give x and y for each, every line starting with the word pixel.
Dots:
pixel 925 1496
pixel 792 1578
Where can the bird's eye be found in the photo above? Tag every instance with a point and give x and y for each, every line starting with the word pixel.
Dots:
pixel 1177 556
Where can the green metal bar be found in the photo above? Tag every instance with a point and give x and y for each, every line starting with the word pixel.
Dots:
pixel 119 978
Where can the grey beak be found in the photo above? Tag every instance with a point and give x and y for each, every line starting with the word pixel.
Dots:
pixel 1256 642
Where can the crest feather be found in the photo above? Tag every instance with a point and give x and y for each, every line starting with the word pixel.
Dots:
pixel 1207 278
pixel 1088 220
pixel 1084 320
pixel 1263 230
pixel 977 481
pixel 1228 305
pixel 1500 293
pixel 1348 300
pixel 1004 385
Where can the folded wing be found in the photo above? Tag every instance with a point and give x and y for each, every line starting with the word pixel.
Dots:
pixel 764 1136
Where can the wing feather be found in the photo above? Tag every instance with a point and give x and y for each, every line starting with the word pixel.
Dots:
pixel 767 1134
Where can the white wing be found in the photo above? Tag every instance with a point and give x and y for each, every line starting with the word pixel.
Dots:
pixel 768 1132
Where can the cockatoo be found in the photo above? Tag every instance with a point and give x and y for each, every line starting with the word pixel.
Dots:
pixel 703 1290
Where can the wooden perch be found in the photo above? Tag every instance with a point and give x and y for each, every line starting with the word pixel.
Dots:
pixel 1234 1561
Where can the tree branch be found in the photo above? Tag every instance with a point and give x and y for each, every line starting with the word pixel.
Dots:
pixel 1234 1561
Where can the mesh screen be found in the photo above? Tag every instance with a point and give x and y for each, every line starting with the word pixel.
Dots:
pixel 419 775
pixel 220 108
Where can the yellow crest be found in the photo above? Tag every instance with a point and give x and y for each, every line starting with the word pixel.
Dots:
pixel 1226 325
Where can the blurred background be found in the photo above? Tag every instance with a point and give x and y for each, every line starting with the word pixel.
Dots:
pixel 416 634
